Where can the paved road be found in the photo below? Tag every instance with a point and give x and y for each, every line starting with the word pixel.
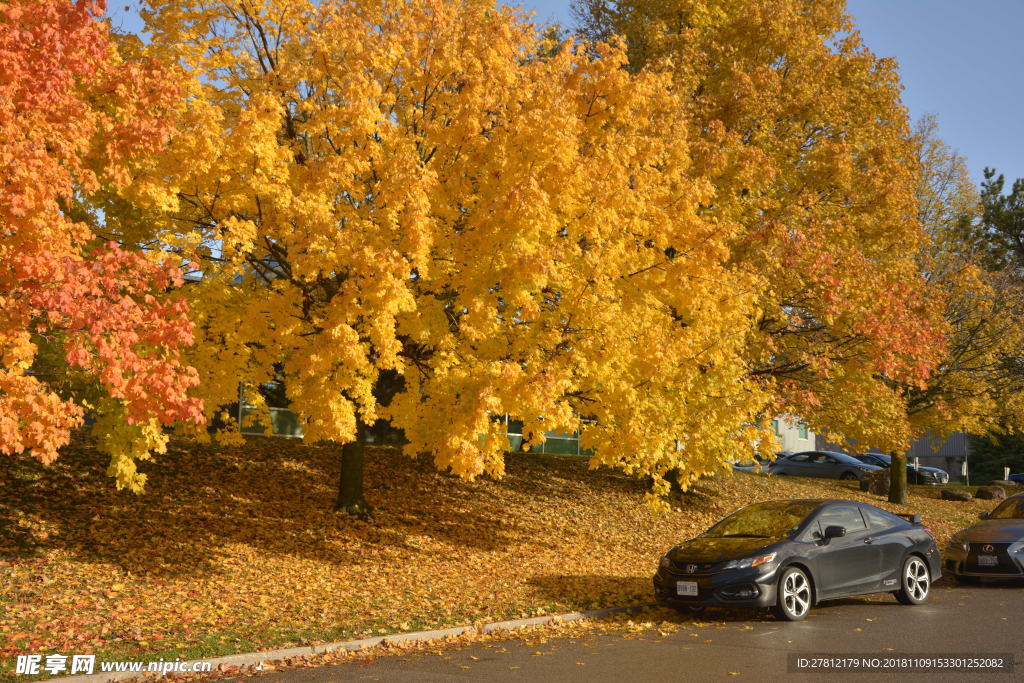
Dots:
pixel 983 620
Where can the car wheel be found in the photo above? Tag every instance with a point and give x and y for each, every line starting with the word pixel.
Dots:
pixel 848 476
pixel 793 596
pixel 968 580
pixel 915 581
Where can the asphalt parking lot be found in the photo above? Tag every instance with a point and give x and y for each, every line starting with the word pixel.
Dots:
pixel 976 622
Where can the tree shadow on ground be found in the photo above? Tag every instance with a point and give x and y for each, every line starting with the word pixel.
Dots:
pixel 273 495
pixel 589 591
pixel 276 496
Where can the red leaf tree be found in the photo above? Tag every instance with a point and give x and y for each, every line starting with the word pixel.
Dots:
pixel 85 324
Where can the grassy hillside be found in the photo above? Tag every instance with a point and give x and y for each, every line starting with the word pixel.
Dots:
pixel 234 549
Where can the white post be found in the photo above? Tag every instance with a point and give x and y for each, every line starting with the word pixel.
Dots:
pixel 1006 473
pixel 963 472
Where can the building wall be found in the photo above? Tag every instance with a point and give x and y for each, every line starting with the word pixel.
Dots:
pixel 794 435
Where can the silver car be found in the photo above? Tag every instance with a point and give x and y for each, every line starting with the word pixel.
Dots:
pixel 993 548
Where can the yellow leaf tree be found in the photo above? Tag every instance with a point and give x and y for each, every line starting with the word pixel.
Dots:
pixel 418 212
pixel 801 132
pixel 977 387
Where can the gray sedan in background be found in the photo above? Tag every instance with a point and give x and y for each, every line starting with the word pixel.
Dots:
pixel 827 464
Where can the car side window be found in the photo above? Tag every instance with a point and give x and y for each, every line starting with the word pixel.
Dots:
pixel 799 458
pixel 829 459
pixel 879 520
pixel 846 516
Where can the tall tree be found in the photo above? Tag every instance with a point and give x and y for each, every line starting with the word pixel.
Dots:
pixel 977 386
pixel 999 233
pixel 83 324
pixel 802 134
pixel 510 227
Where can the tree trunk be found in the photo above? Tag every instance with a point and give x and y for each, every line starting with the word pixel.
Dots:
pixel 898 479
pixel 350 485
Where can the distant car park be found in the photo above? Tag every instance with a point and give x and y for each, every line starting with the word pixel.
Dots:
pixel 827 464
pixel 1017 478
pixel 919 475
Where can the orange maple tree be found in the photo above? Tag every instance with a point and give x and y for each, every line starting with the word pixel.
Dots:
pixel 85 323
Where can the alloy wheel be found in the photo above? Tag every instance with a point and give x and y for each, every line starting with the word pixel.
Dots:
pixel 916 580
pixel 795 598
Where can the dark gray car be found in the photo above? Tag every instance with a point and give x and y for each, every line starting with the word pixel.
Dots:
pixel 993 548
pixel 919 475
pixel 828 464
pixel 788 555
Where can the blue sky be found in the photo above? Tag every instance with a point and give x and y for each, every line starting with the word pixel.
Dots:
pixel 959 60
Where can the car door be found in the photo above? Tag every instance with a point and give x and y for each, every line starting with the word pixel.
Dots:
pixel 797 465
pixel 848 565
pixel 828 466
pixel 892 545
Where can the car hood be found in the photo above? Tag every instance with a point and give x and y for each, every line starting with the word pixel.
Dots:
pixel 711 550
pixel 934 470
pixel 994 531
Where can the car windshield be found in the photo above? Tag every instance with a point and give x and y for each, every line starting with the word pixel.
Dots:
pixel 764 520
pixel 1010 509
pixel 881 457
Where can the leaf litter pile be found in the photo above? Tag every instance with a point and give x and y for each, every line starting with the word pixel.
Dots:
pixel 236 549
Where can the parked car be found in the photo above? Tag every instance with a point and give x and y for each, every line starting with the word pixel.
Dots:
pixel 827 464
pixel 994 548
pixel 788 555
pixel 920 475
pixel 760 463
pixel 1017 478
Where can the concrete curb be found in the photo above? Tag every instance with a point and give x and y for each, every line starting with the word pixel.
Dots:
pixel 254 658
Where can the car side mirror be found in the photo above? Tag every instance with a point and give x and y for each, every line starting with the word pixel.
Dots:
pixel 983 515
pixel 834 532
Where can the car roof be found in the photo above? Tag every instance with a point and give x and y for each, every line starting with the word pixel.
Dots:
pixel 818 452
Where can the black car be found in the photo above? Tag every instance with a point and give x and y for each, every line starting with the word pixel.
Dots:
pixel 828 464
pixel 994 548
pixel 788 555
pixel 920 475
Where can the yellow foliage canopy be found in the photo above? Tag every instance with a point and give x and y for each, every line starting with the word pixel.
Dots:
pixel 801 133
pixel 414 187
pixel 672 242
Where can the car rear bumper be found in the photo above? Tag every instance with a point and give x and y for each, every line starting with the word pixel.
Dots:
pixel 747 588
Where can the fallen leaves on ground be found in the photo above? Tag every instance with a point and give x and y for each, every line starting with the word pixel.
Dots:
pixel 236 548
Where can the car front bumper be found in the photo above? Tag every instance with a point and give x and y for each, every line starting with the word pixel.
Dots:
pixel 961 563
pixel 754 587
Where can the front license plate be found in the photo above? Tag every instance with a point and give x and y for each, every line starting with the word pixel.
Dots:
pixel 686 588
pixel 987 560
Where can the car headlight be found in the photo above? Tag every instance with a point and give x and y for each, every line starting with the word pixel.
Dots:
pixel 664 562
pixel 862 468
pixel 958 543
pixel 749 561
